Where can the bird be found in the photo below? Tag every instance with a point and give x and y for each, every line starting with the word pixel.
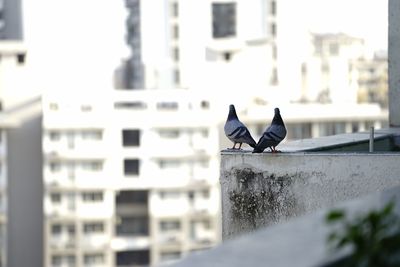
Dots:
pixel 273 135
pixel 236 131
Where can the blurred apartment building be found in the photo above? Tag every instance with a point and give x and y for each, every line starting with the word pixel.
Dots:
pixel 339 70
pixel 130 178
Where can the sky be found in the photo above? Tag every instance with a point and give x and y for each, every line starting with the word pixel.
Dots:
pixel 362 18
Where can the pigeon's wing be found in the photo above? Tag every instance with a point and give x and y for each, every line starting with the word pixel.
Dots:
pixel 232 126
pixel 238 132
pixel 272 136
pixel 277 132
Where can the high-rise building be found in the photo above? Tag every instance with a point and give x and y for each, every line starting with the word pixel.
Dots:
pixel 174 42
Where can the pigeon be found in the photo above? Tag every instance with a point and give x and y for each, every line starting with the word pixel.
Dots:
pixel 273 135
pixel 236 131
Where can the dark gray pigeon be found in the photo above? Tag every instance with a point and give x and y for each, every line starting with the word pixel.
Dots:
pixel 273 135
pixel 236 131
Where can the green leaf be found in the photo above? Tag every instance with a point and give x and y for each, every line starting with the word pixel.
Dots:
pixel 335 215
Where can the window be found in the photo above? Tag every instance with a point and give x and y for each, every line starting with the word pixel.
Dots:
pixel 175 32
pixel 92 196
pixel 92 165
pixel 131 137
pixel 90 228
pixel 133 257
pixel 132 225
pixel 56 229
pixel 174 9
pixel 205 104
pixel 71 229
pixel 167 105
pixel 191 196
pixel 175 53
pixel 169 134
pixel 21 59
pixel 131 167
pixel 204 133
pixel 227 56
pixel 177 76
pixel 55 167
pixel 274 77
pixel 224 20
pixel 131 197
pixel 55 197
pixel 273 7
pixel 273 29
pixel 274 51
pixel 298 131
pixel 56 260
pixel 53 106
pixel 86 108
pixel 93 258
pixel 170 225
pixel 92 135
pixel 169 194
pixel 63 260
pixel 205 193
pixel 130 105
pixel 54 136
pixel 166 164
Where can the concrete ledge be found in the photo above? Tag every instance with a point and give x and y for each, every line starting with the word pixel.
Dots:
pixel 300 242
pixel 264 189
pixel 383 138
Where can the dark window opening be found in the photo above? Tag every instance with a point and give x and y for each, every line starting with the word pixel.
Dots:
pixel 227 56
pixel 130 105
pixel 21 58
pixel 131 167
pixel 132 226
pixel 131 137
pixel 133 258
pixel 224 20
pixel 132 197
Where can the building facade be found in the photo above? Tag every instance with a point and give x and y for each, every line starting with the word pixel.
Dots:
pixel 130 178
pixel 166 54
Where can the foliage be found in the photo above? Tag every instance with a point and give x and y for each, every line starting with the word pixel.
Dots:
pixel 374 238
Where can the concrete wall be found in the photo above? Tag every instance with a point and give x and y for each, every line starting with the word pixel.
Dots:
pixel 25 192
pixel 302 242
pixel 263 189
pixel 394 63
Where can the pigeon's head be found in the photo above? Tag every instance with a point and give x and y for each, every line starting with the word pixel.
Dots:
pixel 277 111
pixel 232 113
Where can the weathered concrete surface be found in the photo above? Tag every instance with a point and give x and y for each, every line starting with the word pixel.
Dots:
pixel 394 63
pixel 301 242
pixel 263 189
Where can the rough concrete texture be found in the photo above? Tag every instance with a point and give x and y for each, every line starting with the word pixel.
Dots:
pixel 263 189
pixel 302 242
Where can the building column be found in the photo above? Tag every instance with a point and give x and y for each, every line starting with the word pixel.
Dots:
pixel 394 63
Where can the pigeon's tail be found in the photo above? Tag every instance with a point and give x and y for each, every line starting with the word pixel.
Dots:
pixel 257 150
